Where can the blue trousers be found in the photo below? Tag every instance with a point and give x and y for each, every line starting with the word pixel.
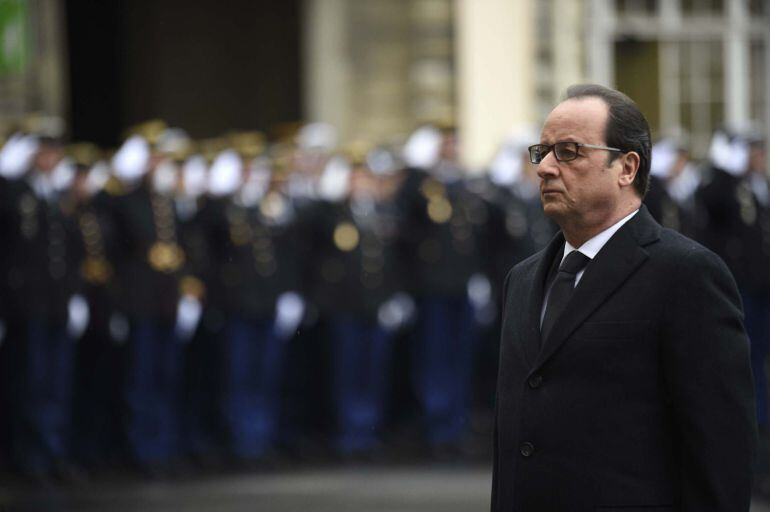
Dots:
pixel 361 353
pixel 46 403
pixel 153 379
pixel 756 307
pixel 252 373
pixel 442 370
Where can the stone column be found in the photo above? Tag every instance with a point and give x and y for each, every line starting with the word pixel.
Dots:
pixel 736 59
pixel 328 79
pixel 599 40
pixel 495 63
pixel 567 40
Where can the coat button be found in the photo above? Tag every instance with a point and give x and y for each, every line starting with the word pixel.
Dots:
pixel 535 381
pixel 527 449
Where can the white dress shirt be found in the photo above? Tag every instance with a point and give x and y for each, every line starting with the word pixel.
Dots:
pixel 590 248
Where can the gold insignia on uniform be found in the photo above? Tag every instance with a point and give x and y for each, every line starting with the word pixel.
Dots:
pixel 96 270
pixel 439 210
pixel 431 188
pixel 165 257
pixel 746 201
pixel 346 236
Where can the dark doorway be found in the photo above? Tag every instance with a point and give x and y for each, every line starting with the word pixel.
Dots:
pixel 207 67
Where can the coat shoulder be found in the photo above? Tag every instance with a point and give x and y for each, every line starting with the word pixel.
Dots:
pixel 685 255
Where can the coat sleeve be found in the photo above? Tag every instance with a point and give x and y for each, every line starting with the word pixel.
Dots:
pixel 705 353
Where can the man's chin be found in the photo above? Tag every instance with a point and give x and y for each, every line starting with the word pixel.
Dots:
pixel 552 209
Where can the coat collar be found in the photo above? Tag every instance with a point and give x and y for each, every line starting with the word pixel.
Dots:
pixel 618 259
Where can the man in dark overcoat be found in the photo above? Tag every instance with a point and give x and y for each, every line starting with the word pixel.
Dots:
pixel 624 380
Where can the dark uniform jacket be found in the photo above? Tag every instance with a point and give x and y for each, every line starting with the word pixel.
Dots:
pixel 255 258
pixel 641 398
pixel 42 260
pixel 665 209
pixel 736 226
pixel 356 261
pixel 150 293
pixel 441 232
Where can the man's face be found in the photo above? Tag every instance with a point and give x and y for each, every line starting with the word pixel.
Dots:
pixel 48 157
pixel 585 190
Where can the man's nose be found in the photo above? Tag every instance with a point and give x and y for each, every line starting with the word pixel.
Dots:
pixel 547 168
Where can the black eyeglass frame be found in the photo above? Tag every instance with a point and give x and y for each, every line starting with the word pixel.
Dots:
pixel 561 144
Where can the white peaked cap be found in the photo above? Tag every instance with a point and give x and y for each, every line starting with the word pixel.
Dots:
pixel 506 167
pixel 423 148
pixel 729 155
pixel 97 177
pixel 334 184
pixel 317 136
pixel 663 158
pixel 17 154
pixel 195 176
pixel 131 160
pixel 63 174
pixel 225 175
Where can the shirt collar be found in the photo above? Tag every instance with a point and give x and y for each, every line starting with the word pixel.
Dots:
pixel 593 245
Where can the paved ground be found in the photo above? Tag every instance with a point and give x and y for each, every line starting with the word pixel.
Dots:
pixel 423 489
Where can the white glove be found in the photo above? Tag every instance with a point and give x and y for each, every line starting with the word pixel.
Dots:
pixel 480 297
pixel 2 331
pixel 119 328
pixel 396 312
pixel 78 316
pixel 289 310
pixel 188 315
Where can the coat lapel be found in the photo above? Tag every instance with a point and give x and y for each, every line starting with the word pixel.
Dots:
pixel 534 301
pixel 614 263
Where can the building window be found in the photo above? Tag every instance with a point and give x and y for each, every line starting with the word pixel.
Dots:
pixel 703 7
pixel 701 91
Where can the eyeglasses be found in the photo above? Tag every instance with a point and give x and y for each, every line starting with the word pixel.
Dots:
pixel 563 151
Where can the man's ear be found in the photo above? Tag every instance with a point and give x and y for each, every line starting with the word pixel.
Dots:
pixel 629 166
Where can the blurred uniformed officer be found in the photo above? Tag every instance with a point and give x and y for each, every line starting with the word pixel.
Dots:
pixel 441 228
pixel 673 181
pixel 257 261
pixel 150 267
pixel 96 413
pixel 43 278
pixel 16 159
pixel 358 288
pixel 201 425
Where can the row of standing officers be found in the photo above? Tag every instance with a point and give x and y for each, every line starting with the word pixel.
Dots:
pixel 164 306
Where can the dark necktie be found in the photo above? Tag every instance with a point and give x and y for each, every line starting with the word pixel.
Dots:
pixel 561 290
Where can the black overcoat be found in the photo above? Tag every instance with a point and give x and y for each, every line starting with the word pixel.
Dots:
pixel 642 397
